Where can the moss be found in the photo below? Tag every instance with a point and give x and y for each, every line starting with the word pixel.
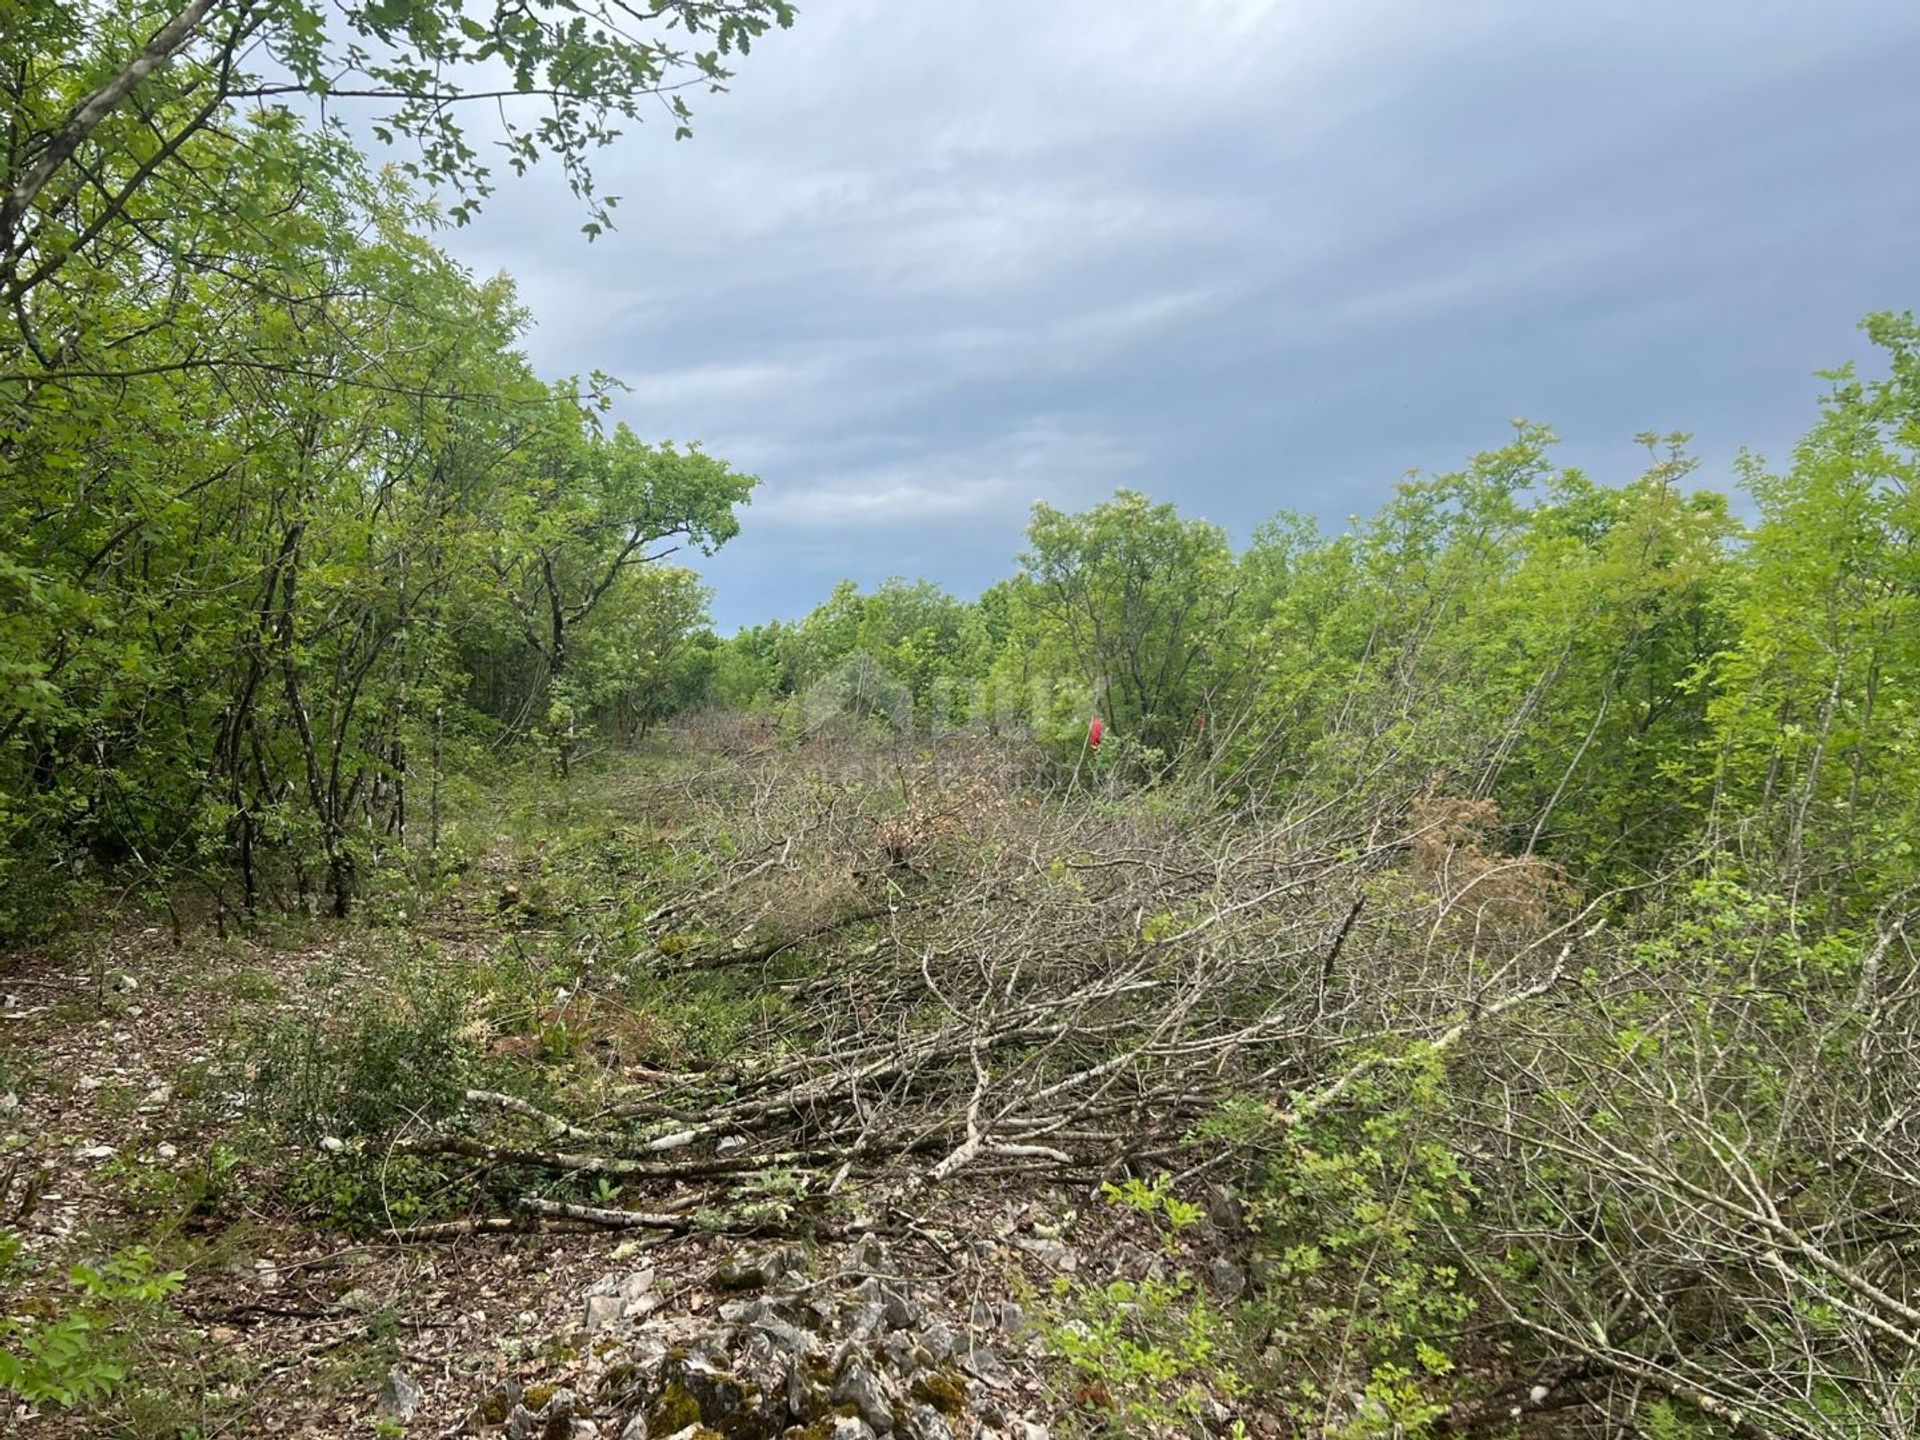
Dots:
pixel 494 1409
pixel 944 1390
pixel 537 1396
pixel 673 1411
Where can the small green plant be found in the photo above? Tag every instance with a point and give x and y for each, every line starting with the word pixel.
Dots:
pixel 76 1353
pixel 1147 1356
pixel 175 1191
pixel 1155 1199
pixel 363 1192
pixel 342 1082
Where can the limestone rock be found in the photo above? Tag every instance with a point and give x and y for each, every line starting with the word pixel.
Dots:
pixel 616 1297
pixel 401 1397
pixel 852 1354
pixel 860 1387
pixel 1228 1278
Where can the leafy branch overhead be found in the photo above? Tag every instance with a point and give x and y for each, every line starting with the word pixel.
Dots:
pixel 100 108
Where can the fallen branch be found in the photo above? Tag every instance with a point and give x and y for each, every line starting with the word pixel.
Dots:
pixel 608 1218
pixel 514 1104
pixel 616 1166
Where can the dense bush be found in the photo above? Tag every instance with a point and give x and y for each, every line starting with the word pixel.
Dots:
pixel 362 1072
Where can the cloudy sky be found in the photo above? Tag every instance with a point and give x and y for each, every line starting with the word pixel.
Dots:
pixel 932 260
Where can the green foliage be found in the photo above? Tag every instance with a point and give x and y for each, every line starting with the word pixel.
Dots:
pixel 1137 604
pixel 1149 1356
pixel 336 1083
pixel 256 607
pixel 341 1078
pixel 1155 1200
pixel 291 534
pixel 1362 1297
pixel 1814 717
pixel 583 521
pixel 273 468
pixel 908 651
pixel 78 1353
pixel 1510 630
pixel 103 136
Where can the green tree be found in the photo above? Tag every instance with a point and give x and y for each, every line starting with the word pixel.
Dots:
pixel 594 508
pixel 1134 602
pixel 1815 716
pixel 100 109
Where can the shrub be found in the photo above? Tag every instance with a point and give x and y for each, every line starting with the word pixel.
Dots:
pixel 1147 1356
pixel 368 1069
pixel 1361 1298
pixel 76 1353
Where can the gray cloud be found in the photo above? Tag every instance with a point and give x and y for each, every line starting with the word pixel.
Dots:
pixel 928 263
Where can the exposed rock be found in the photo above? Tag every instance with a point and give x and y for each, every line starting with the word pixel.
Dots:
pixel 981 1363
pixel 860 1387
pixel 756 1272
pixel 851 1354
pixel 544 1413
pixel 401 1397
pixel 1049 1251
pixel 898 1308
pixel 788 1338
pixel 1228 1278
pixel 636 1373
pixel 940 1341
pixel 869 1256
pixel 617 1297
pixel 1226 1211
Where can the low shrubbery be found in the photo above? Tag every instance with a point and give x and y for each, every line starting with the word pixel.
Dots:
pixel 77 1349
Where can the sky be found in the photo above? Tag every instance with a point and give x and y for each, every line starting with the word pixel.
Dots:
pixel 927 263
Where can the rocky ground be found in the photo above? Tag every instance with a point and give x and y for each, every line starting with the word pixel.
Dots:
pixel 907 1320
